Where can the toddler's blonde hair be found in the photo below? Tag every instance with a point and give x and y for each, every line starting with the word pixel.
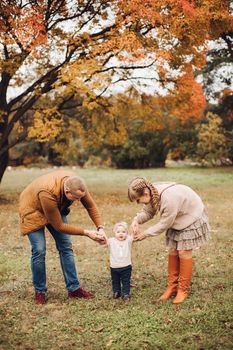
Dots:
pixel 121 223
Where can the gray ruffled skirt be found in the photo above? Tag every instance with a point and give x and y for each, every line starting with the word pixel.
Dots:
pixel 193 236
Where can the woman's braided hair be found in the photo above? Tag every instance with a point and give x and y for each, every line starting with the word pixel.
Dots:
pixel 137 187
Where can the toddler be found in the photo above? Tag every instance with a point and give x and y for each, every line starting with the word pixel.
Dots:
pixel 120 260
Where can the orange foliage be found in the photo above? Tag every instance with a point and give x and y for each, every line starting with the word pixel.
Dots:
pixel 189 98
pixel 186 102
pixel 47 124
pixel 182 26
pixel 187 7
pixel 24 25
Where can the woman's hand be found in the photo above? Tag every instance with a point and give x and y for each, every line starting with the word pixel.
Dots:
pixel 135 227
pixel 139 236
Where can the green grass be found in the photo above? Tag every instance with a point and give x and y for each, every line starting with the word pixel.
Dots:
pixel 203 321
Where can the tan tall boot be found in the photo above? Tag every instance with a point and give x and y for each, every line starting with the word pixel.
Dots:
pixel 173 275
pixel 186 266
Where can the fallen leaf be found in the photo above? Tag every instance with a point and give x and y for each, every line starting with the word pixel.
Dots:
pixel 109 343
pixel 79 329
pixel 99 329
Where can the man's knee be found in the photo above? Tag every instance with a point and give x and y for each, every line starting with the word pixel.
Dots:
pixel 65 247
pixel 39 251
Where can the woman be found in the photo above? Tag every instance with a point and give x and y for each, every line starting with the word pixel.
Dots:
pixel 182 216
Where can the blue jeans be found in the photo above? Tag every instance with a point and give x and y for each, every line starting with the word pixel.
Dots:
pixel 121 276
pixel 64 247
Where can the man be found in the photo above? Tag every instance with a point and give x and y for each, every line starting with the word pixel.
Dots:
pixel 45 203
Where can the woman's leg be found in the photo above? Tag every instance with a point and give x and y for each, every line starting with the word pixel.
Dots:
pixel 173 274
pixel 185 254
pixel 64 247
pixel 38 244
pixel 186 266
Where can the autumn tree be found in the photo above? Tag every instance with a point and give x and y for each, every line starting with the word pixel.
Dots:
pixel 212 143
pixel 84 46
pixel 224 109
pixel 218 70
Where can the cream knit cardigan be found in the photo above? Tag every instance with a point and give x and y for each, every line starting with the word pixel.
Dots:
pixel 180 206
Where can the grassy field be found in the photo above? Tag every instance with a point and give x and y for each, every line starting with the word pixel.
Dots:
pixel 203 321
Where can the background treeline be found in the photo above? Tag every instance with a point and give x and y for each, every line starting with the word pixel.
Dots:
pixel 122 132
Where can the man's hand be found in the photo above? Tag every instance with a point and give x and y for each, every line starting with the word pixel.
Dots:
pixel 139 236
pixel 135 228
pixel 95 236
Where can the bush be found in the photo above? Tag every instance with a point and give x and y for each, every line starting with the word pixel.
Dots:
pixel 142 150
pixel 212 142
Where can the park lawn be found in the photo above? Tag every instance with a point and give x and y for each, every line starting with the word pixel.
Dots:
pixel 203 321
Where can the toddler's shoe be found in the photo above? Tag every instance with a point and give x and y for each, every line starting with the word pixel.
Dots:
pixel 81 293
pixel 116 295
pixel 126 298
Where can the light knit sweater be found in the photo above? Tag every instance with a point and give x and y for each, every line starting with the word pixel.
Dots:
pixel 179 207
pixel 120 252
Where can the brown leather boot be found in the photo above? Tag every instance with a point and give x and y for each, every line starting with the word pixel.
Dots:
pixel 173 275
pixel 186 267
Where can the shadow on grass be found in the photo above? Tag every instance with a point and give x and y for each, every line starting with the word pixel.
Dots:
pixel 8 198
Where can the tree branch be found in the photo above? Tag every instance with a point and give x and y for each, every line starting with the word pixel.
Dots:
pixel 76 15
pixel 126 67
pixel 212 65
pixel 16 117
pixel 6 53
pixel 13 143
pixel 35 84
pixel 226 37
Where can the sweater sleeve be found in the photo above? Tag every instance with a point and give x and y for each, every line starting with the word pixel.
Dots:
pixel 168 214
pixel 130 239
pixel 52 213
pixel 89 204
pixel 145 214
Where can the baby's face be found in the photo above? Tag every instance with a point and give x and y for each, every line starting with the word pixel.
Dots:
pixel 121 233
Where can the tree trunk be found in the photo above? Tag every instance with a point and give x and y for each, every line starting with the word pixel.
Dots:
pixel 4 158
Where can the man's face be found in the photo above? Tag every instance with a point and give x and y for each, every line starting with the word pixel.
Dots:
pixel 74 196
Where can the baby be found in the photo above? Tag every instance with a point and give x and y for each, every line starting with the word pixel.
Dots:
pixel 120 260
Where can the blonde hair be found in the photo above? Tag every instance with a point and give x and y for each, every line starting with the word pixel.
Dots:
pixel 74 183
pixel 136 188
pixel 122 224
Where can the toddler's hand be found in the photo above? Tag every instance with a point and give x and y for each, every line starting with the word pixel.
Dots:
pixel 135 227
pixel 102 233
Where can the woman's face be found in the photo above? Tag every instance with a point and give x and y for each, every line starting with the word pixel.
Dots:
pixel 145 198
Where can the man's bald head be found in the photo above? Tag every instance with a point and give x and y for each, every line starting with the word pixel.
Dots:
pixel 74 186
